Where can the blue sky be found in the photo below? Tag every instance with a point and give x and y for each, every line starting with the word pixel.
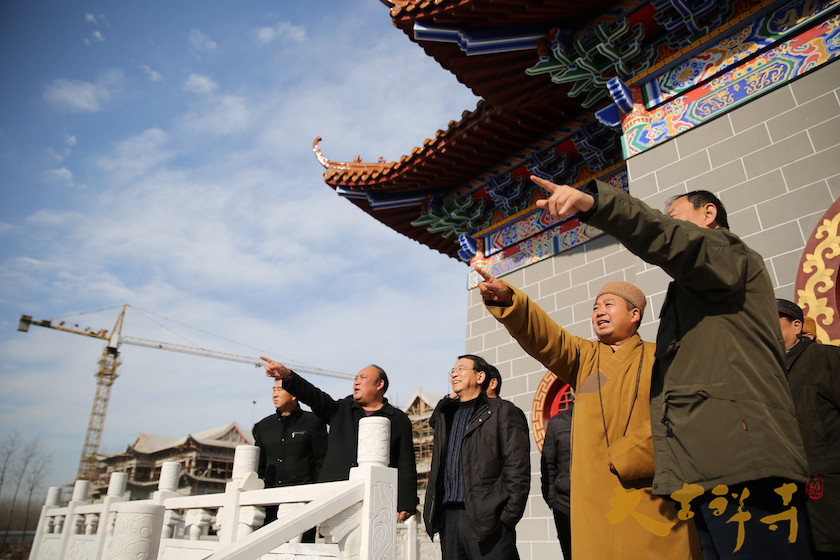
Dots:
pixel 159 155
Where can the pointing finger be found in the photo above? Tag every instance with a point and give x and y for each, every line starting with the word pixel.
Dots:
pixel 484 274
pixel 544 183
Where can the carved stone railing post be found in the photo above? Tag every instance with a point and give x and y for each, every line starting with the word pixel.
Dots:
pixel 379 510
pixel 72 524
pixel 246 460
pixel 46 523
pixel 105 526
pixel 170 474
pixel 137 531
pixel 53 501
pixel 374 441
pixel 409 544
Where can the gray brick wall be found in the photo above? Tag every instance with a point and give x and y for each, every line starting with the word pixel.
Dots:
pixel 775 164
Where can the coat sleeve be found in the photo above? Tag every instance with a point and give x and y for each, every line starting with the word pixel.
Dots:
pixel 516 468
pixel 548 465
pixel 406 467
pixel 258 442
pixel 433 419
pixel 711 261
pixel 540 336
pixel 320 402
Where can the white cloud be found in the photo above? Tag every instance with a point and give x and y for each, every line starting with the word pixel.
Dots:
pixel 200 42
pixel 220 115
pixel 70 140
pixel 96 19
pixel 279 31
pixel 76 95
pixel 79 96
pixel 217 215
pixel 196 83
pixel 97 36
pixel 151 74
pixel 61 176
pixel 136 156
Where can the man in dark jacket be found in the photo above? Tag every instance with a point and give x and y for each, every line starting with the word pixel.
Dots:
pixel 722 415
pixel 292 446
pixel 480 473
pixel 368 399
pixel 554 475
pixel 813 371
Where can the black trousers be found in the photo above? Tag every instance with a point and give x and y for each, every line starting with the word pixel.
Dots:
pixel 564 531
pixel 456 543
pixel 751 521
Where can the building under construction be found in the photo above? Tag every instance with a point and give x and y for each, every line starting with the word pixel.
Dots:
pixel 419 410
pixel 206 462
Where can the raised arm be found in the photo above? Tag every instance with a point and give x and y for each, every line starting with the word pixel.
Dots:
pixel 710 261
pixel 320 402
pixel 534 330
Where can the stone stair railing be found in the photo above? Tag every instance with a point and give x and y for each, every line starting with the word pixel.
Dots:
pixel 356 517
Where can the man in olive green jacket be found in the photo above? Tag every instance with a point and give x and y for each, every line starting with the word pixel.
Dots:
pixel 723 421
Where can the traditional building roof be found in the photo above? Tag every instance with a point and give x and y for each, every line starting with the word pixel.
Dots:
pixel 227 435
pixel 488 46
pixel 552 76
pixel 421 401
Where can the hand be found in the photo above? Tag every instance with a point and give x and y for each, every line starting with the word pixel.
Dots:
pixel 403 515
pixel 565 201
pixel 276 369
pixel 494 290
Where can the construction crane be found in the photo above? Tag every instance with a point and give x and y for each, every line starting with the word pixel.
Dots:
pixel 107 373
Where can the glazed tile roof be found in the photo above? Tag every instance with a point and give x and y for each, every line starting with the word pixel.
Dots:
pixel 489 45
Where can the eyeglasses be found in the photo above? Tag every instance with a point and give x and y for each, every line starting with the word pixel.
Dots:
pixel 460 369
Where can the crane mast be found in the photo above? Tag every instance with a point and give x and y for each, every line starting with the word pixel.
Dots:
pixel 93 437
pixel 107 373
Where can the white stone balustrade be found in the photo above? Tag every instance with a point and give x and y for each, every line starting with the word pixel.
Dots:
pixel 356 517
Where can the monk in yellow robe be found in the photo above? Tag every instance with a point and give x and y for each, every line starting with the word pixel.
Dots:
pixel 614 515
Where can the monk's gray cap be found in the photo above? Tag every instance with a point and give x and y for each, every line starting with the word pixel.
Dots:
pixel 626 290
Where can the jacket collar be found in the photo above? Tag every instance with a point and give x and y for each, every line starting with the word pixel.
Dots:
pixel 386 409
pixel 796 351
pixel 480 400
pixel 294 414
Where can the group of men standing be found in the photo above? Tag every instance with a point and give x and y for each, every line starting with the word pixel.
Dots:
pixel 690 447
pixel 480 472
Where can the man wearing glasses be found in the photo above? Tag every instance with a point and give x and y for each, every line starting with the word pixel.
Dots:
pixel 480 474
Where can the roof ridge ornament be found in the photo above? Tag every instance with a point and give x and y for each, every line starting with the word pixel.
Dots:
pixel 357 163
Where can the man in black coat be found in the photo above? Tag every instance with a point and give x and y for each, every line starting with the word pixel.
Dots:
pixel 292 446
pixel 480 473
pixel 813 371
pixel 554 475
pixel 368 399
